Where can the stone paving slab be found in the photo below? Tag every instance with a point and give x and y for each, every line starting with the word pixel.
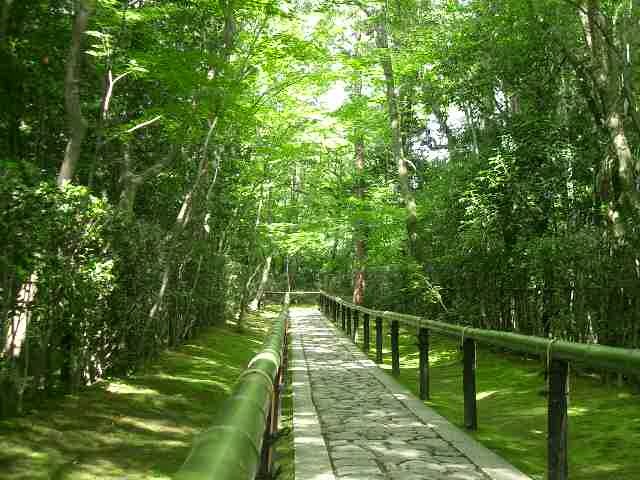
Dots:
pixel 352 421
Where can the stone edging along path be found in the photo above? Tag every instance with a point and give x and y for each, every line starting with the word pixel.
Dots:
pixel 352 421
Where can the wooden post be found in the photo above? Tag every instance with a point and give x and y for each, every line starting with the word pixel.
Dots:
pixel 378 340
pixel 557 421
pixel 354 332
pixel 348 321
pixel 343 311
pixel 469 384
pixel 365 333
pixel 423 344
pixel 395 347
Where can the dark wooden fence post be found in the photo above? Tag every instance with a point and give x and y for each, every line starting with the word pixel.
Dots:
pixel 343 311
pixel 557 421
pixel 378 340
pixel 348 321
pixel 395 347
pixel 366 333
pixel 354 331
pixel 469 384
pixel 423 344
pixel 335 312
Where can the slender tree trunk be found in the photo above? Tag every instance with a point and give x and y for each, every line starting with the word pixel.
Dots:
pixel 360 229
pixel 77 122
pixel 255 303
pixel 396 135
pixel 607 71
pixel 244 297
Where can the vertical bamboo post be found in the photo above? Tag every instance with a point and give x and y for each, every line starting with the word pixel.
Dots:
pixel 343 312
pixel 395 347
pixel 366 333
pixel 558 421
pixel 348 321
pixel 423 344
pixel 469 384
pixel 378 340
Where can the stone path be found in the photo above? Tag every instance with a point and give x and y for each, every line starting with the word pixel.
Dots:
pixel 354 422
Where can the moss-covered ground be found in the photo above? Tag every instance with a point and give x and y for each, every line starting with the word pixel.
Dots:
pixel 604 420
pixel 138 427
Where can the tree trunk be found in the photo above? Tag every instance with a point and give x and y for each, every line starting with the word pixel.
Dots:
pixel 77 122
pixel 255 303
pixel 244 297
pixel 396 135
pixel 606 70
pixel 360 229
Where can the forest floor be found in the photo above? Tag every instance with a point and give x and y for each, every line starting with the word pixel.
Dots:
pixel 137 427
pixel 604 420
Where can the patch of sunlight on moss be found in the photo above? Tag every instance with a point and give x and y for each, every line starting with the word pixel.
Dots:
pixel 435 357
pixel 607 467
pixel 99 468
pixel 175 443
pixel 487 394
pixel 205 360
pixel 536 411
pixel 154 426
pixel 412 363
pixel 127 389
pixel 577 411
pixel 27 452
pixel 165 376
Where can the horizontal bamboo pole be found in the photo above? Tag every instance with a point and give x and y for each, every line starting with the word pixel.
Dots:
pixel 601 356
pixel 231 448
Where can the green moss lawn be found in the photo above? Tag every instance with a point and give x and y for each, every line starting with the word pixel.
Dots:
pixel 139 427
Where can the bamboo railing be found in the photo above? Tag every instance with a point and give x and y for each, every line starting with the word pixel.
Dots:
pixel 557 353
pixel 238 445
